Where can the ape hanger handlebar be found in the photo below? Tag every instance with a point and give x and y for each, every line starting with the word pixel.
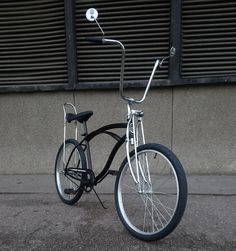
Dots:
pixel 92 15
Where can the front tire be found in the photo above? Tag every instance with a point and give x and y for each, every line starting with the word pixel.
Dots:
pixel 68 188
pixel 151 209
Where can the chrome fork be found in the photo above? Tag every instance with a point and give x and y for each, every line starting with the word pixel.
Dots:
pixel 134 137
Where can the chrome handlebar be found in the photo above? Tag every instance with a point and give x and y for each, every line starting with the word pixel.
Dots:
pixel 121 86
pixel 92 15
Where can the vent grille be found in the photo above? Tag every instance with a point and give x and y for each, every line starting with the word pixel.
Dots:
pixel 209 37
pixel 32 42
pixel 143 27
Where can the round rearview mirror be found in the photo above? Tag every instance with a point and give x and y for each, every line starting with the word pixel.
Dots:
pixel 91 14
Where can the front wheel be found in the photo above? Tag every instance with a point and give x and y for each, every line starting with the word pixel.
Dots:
pixel 151 208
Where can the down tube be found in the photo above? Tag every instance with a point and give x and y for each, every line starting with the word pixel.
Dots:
pixel 105 130
pixel 104 171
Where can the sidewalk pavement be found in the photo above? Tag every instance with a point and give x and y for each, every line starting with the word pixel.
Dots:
pixel 33 218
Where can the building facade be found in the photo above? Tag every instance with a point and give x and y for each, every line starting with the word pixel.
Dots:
pixel 45 61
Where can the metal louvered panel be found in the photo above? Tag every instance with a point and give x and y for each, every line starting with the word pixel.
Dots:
pixel 143 27
pixel 208 38
pixel 32 42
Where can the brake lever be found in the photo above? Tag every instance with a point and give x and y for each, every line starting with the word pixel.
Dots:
pixel 172 53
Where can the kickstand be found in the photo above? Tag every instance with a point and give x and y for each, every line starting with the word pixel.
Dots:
pixel 99 199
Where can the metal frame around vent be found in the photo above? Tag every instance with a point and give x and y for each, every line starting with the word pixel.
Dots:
pixel 174 67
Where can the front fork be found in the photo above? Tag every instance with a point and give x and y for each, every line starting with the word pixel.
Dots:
pixel 135 137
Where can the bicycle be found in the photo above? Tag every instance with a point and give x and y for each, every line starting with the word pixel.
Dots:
pixel 151 186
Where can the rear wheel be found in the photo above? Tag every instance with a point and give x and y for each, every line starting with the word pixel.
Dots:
pixel 151 209
pixel 67 171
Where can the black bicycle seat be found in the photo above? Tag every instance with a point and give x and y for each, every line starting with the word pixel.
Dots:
pixel 80 117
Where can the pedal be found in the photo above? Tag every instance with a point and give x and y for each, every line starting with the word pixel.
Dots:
pixel 69 191
pixel 113 172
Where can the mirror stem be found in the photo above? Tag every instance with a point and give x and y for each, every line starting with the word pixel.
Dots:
pixel 100 27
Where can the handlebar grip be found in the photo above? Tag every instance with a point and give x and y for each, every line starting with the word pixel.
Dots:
pixel 96 40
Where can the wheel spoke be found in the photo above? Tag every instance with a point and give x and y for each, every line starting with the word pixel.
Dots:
pixel 135 189
pixel 149 212
pixel 166 208
pixel 158 212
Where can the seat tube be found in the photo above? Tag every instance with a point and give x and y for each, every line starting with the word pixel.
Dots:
pixel 88 153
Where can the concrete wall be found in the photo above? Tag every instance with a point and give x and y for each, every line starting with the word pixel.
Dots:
pixel 198 123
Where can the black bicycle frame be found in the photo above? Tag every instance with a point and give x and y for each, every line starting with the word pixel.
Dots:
pixel 120 141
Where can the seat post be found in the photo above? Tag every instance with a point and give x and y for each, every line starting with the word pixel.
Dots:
pixel 88 153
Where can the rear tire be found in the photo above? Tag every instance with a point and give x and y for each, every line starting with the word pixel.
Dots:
pixel 69 189
pixel 153 208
